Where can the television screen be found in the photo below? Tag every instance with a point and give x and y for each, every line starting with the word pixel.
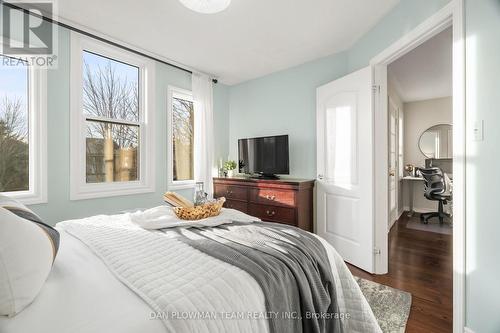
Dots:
pixel 266 155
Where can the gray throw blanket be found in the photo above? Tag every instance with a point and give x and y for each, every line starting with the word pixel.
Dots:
pixel 290 265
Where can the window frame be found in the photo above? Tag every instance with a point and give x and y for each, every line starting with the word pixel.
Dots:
pixel 79 188
pixel 37 139
pixel 172 184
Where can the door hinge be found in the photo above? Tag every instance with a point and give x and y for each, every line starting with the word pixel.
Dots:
pixel 376 251
pixel 376 88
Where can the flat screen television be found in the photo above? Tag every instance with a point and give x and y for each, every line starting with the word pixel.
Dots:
pixel 264 157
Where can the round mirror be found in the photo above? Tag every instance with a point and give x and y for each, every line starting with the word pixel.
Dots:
pixel 437 141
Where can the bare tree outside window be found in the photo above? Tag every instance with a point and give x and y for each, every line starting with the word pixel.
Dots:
pixel 14 133
pixel 111 108
pixel 183 130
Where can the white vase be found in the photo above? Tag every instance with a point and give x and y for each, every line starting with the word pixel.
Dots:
pixel 230 173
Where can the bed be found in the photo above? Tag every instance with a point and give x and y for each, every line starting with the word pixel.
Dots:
pixel 111 275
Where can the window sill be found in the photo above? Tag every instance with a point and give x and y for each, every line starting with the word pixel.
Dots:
pixel 181 185
pixel 104 190
pixel 27 197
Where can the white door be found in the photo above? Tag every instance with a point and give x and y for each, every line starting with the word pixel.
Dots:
pixel 393 161
pixel 345 167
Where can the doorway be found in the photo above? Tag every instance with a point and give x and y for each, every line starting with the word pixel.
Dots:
pixel 354 205
pixel 420 135
pixel 451 16
pixel 420 159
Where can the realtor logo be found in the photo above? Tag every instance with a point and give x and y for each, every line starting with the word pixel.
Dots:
pixel 26 35
pixel 25 31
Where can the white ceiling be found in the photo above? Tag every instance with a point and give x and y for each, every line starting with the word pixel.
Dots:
pixel 425 72
pixel 250 39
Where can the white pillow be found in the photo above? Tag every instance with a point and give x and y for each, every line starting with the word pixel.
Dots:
pixel 28 248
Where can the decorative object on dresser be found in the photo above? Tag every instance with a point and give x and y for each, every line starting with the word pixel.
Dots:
pixel 288 201
pixel 229 167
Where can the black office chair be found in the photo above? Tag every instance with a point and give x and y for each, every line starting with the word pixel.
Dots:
pixel 435 189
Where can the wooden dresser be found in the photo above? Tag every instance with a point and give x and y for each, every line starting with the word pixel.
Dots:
pixel 288 201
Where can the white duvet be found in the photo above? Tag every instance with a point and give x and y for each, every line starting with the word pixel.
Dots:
pixel 113 276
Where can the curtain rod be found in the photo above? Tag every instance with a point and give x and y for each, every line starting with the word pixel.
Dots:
pixel 88 34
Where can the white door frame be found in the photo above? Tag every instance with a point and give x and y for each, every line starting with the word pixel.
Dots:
pixel 450 15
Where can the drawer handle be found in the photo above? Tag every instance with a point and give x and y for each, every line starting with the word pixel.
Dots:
pixel 270 197
pixel 270 213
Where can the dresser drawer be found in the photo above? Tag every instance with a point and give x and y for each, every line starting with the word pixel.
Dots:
pixel 273 213
pixel 272 197
pixel 284 201
pixel 238 205
pixel 231 192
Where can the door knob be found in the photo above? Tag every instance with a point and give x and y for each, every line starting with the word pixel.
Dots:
pixel 392 173
pixel 320 176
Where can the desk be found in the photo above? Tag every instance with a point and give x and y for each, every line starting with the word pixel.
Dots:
pixel 411 180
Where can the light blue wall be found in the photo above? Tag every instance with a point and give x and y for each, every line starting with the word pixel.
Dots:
pixel 405 16
pixel 482 196
pixel 59 207
pixel 284 103
pixel 221 121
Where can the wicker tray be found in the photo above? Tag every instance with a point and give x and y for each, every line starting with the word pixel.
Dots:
pixel 200 212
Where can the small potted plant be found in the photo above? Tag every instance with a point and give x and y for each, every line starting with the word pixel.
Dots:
pixel 229 167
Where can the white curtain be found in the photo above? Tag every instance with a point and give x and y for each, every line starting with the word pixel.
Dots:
pixel 203 130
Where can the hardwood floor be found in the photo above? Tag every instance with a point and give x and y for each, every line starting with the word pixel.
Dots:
pixel 420 262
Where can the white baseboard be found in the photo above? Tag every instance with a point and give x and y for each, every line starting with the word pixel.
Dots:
pixel 400 213
pixel 468 330
pixel 389 227
pixel 420 210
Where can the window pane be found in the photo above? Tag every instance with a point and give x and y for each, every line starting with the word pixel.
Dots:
pixel 183 129
pixel 110 88
pixel 14 129
pixel 112 152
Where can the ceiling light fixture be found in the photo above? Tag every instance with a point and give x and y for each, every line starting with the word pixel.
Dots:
pixel 206 6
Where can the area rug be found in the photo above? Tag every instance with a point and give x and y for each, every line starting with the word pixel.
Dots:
pixel 390 306
pixel 433 226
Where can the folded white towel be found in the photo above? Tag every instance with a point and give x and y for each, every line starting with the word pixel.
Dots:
pixel 162 217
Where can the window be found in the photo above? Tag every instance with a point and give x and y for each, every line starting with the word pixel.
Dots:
pixel 22 131
pixel 111 110
pixel 112 128
pixel 181 138
pixel 14 134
